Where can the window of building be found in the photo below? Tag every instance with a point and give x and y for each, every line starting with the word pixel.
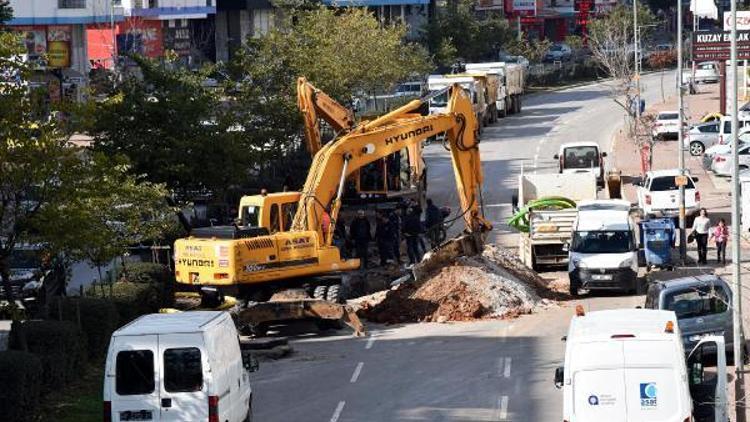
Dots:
pixel 71 4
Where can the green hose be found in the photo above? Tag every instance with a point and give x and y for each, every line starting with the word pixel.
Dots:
pixel 520 220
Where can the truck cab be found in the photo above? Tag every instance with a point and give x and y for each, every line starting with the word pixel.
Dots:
pixel 582 157
pixel 603 252
pixel 439 104
pixel 178 367
pixel 629 365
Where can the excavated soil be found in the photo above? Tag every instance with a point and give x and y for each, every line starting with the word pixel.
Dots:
pixel 492 285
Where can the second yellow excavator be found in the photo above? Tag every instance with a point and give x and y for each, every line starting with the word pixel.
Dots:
pixel 285 240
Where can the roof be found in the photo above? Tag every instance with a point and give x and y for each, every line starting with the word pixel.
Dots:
pixel 604 324
pixel 691 281
pixel 668 112
pixel 603 215
pixel 579 144
pixel 666 172
pixel 181 322
pixel 604 205
pixel 448 79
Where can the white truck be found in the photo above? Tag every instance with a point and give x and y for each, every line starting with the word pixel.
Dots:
pixel 473 87
pixel 549 230
pixel 582 157
pixel 178 367
pixel 511 87
pixel 628 365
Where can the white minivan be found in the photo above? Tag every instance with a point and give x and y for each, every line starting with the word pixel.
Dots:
pixel 178 367
pixel 629 365
pixel 603 251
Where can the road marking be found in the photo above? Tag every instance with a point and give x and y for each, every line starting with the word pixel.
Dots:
pixel 370 341
pixel 356 373
pixel 503 408
pixel 337 412
pixel 506 372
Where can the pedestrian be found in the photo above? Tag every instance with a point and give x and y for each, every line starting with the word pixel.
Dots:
pixel 720 235
pixel 701 224
pixel 433 223
pixel 394 218
pixel 361 235
pixel 412 231
pixel 384 239
pixel 339 237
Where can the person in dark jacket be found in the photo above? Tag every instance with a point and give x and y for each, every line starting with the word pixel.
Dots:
pixel 384 239
pixel 394 219
pixel 361 235
pixel 433 223
pixel 339 237
pixel 412 231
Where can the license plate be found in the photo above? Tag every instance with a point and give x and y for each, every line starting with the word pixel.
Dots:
pixel 600 277
pixel 136 415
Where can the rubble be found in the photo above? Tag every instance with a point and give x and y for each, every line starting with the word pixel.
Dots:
pixel 494 284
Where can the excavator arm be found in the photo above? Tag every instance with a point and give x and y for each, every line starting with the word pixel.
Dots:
pixel 383 136
pixel 314 104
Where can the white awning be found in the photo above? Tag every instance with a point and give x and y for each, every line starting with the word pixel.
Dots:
pixel 704 9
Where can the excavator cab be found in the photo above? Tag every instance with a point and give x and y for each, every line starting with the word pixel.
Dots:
pixel 274 211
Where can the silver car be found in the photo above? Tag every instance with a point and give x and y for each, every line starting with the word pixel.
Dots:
pixel 703 305
pixel 700 137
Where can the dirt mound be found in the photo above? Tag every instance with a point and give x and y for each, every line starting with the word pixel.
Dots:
pixel 492 285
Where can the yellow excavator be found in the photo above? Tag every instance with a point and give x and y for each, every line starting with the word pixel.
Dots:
pixel 281 253
pixel 389 180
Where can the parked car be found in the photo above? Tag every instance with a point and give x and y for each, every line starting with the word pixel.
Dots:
pixel 658 194
pixel 409 89
pixel 723 148
pixel 178 367
pixel 707 72
pixel 558 53
pixel 700 137
pixel 702 304
pixel 629 365
pixel 667 124
pixel 722 162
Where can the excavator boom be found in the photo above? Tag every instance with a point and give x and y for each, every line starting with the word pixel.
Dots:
pixel 314 104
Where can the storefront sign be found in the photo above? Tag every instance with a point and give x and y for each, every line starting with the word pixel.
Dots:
pixel 34 40
pixel 58 46
pixel 178 40
pixel 490 5
pixel 714 45
pixel 743 20
pixel 524 6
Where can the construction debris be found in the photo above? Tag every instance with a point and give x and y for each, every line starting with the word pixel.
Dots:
pixel 494 284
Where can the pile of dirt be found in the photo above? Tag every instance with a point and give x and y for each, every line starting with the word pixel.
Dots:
pixel 491 285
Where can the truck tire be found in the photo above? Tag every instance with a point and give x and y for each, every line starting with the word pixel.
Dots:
pixel 335 294
pixel 320 292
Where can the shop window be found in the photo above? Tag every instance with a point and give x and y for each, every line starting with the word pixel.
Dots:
pixel 71 4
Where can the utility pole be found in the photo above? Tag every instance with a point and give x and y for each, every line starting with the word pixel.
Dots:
pixel 680 149
pixel 636 69
pixel 739 373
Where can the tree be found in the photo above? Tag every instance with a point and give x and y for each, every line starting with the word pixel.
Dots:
pixel 532 50
pixel 473 37
pixel 6 12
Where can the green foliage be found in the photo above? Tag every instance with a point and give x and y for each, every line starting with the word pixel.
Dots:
pixel 98 318
pixel 148 272
pixel 473 38
pixel 6 12
pixel 574 41
pixel 532 50
pixel 20 376
pixel 59 344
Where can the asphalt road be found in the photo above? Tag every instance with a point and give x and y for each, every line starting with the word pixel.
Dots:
pixel 480 371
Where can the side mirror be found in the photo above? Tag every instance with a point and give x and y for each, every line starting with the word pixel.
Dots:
pixel 564 338
pixel 249 361
pixel 604 154
pixel 556 157
pixel 559 377
pixel 566 247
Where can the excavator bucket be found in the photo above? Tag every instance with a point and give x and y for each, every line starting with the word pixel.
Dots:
pixel 445 254
pixel 614 184
pixel 285 310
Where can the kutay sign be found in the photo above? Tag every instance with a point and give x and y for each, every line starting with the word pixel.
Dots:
pixel 714 45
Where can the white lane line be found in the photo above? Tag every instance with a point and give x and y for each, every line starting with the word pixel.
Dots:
pixel 503 408
pixel 506 372
pixel 337 412
pixel 370 341
pixel 356 373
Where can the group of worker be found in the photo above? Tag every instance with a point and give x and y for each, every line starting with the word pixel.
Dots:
pixel 392 227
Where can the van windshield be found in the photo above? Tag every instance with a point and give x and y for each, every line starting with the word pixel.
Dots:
pixel 134 372
pixel 581 157
pixel 697 302
pixel 608 241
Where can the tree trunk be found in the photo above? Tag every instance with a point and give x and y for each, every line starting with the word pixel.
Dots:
pixel 5 276
pixel 662 85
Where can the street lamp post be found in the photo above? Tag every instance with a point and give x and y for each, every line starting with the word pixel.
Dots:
pixel 680 149
pixel 636 70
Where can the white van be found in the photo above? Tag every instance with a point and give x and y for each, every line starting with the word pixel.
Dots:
pixel 603 251
pixel 178 367
pixel 628 365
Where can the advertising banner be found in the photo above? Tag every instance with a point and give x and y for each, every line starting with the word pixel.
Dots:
pixel 527 6
pixel 743 20
pixel 714 45
pixel 34 40
pixel 58 46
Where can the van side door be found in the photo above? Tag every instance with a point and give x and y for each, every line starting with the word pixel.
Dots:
pixel 708 386
pixel 132 377
pixel 185 377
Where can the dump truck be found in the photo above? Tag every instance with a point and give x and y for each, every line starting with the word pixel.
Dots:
pixel 474 88
pixel 512 79
pixel 296 271
pixel 382 184
pixel 549 221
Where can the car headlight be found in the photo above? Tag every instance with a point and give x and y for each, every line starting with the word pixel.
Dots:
pixel 626 263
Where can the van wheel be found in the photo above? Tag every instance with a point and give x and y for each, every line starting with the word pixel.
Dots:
pixel 320 292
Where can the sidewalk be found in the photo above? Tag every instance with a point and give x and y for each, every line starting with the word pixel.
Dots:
pixel 715 192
